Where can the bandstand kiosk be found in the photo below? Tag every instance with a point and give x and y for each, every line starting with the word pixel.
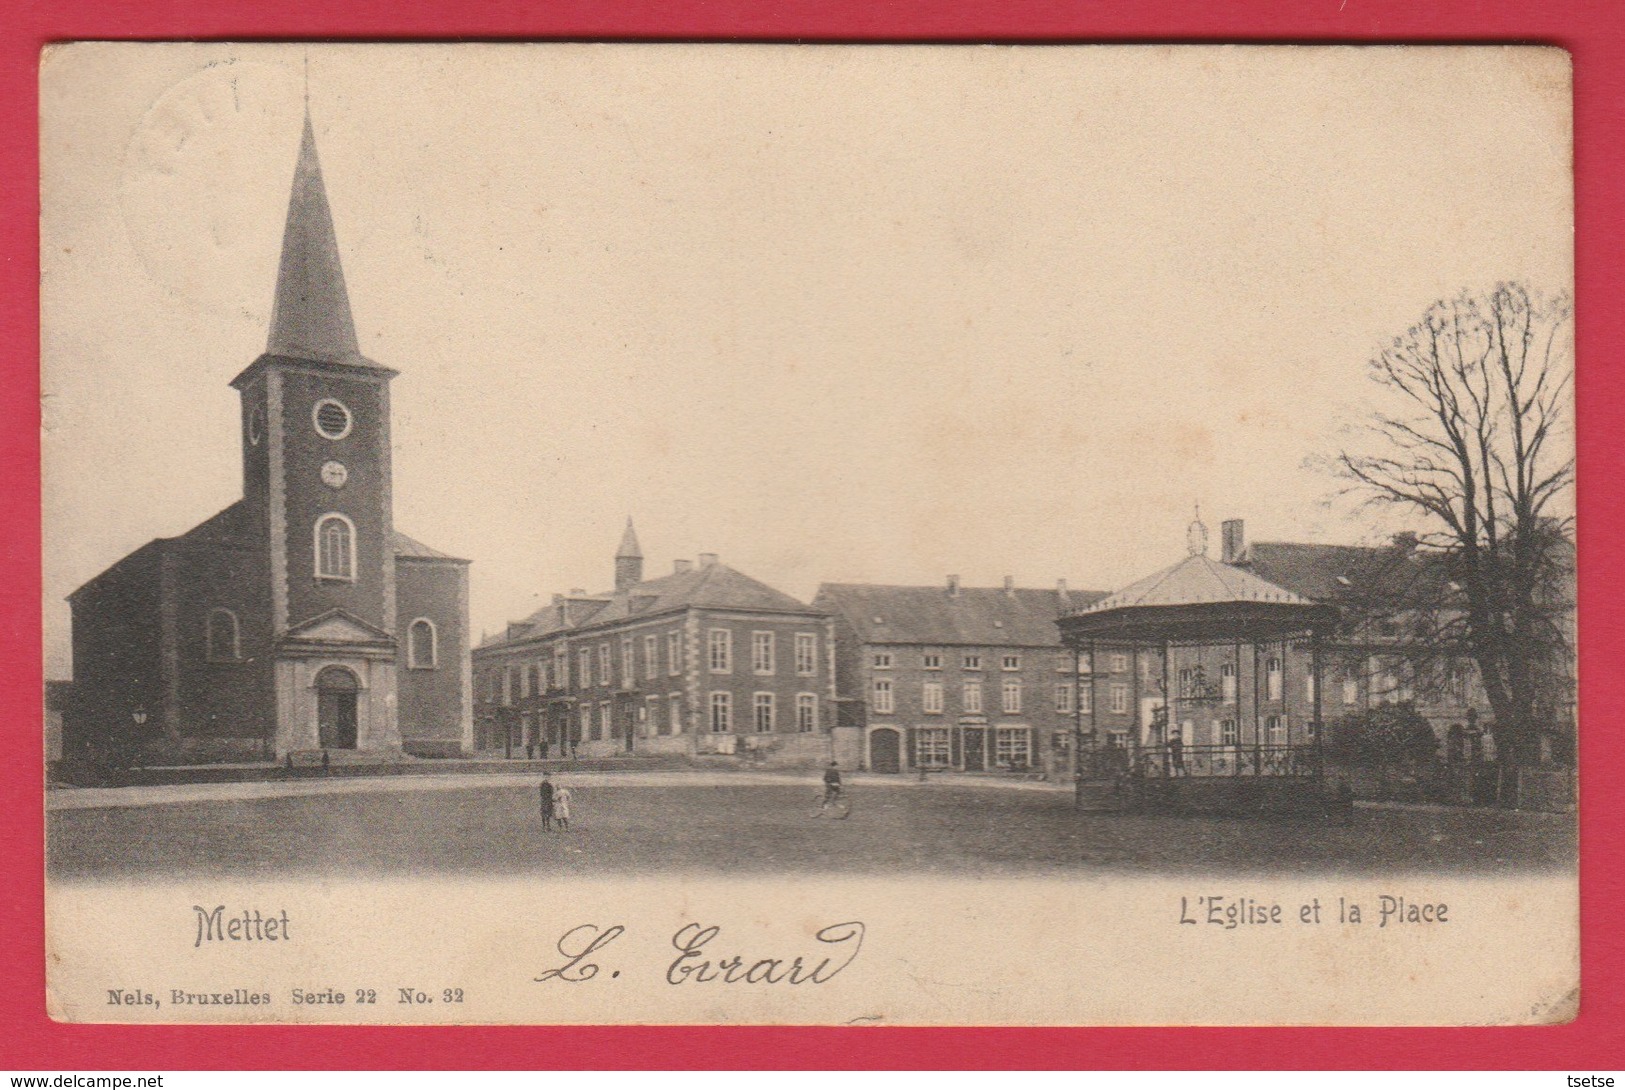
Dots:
pixel 1225 715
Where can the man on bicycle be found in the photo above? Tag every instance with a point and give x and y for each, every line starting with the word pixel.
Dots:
pixel 832 783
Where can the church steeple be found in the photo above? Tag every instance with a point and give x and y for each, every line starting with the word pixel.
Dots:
pixel 628 560
pixel 310 316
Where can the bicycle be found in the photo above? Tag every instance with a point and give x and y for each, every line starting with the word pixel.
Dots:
pixel 834 805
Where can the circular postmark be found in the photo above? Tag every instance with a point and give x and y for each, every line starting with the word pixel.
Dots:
pixel 204 185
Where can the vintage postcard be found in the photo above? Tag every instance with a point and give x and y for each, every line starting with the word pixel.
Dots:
pixel 684 533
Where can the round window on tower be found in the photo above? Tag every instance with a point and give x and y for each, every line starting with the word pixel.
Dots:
pixel 332 418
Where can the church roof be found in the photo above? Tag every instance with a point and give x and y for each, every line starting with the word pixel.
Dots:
pixel 630 549
pixel 310 315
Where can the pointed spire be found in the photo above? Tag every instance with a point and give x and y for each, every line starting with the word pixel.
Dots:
pixel 630 549
pixel 1196 535
pixel 310 316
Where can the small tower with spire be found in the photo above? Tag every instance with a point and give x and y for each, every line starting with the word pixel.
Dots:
pixel 628 560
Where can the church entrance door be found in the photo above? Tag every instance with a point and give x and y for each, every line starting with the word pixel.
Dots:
pixel 336 692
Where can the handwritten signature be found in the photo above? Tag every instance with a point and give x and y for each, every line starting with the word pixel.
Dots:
pixel 582 947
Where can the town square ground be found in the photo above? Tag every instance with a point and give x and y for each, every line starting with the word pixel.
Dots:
pixel 743 823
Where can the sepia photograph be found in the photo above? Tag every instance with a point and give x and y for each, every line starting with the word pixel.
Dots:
pixel 681 533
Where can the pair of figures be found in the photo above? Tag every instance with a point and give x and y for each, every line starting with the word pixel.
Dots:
pixel 555 804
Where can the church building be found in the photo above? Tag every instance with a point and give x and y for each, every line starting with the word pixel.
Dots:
pixel 297 619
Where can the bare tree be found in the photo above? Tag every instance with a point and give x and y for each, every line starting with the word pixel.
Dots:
pixel 1478 441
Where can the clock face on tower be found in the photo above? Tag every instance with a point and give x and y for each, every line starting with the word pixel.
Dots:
pixel 334 474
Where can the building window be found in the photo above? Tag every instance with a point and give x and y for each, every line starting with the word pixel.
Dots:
pixel 508 686
pixel 674 653
pixel 651 656
pixel 721 644
pixel 606 720
pixel 628 670
pixel 1012 697
pixel 722 713
pixel 1227 682
pixel 1063 698
pixel 605 674
pixel 256 426
pixel 674 713
pixel 524 682
pixel 1277 729
pixel 422 650
pixel 971 662
pixel 1272 678
pixel 1119 662
pixel 1012 662
pixel 806 712
pixel 933 662
pixel 1187 683
pixel 1119 699
pixel 335 548
pixel 221 637
pixel 1309 687
pixel 931 698
pixel 761 652
pixel 586 721
pixel 561 663
pixel 806 654
pixel 1351 691
pixel 882 660
pixel 763 706
pixel 332 418
pixel 1227 732
pixel 972 695
pixel 931 747
pixel 1013 747
pixel 883 695
pixel 1086 699
pixel 584 668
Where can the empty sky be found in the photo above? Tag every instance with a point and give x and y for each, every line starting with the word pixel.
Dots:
pixel 837 314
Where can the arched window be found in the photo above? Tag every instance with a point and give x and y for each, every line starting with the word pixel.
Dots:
pixel 421 650
pixel 221 637
pixel 335 548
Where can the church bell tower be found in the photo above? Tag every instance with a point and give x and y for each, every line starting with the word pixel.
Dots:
pixel 316 478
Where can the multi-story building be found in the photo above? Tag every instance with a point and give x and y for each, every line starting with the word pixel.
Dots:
pixel 299 617
pixel 966 678
pixel 1376 656
pixel 703 660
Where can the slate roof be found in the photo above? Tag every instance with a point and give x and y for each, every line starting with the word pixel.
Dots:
pixel 1340 573
pixel 406 546
pixel 715 586
pixel 310 314
pixel 976 616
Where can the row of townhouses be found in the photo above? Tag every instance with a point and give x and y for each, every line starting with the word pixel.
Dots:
pixel 706 660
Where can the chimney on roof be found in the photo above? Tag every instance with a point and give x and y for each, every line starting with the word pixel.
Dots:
pixel 1233 540
pixel 578 592
pixel 681 566
pixel 1010 586
pixel 708 560
pixel 558 599
pixel 1062 593
pixel 953 586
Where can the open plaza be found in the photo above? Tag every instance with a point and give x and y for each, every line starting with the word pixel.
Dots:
pixel 743 823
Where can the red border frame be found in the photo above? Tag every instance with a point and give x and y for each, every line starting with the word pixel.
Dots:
pixel 1592 30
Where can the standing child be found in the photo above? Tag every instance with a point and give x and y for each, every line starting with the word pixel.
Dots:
pixel 561 806
pixel 547 804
